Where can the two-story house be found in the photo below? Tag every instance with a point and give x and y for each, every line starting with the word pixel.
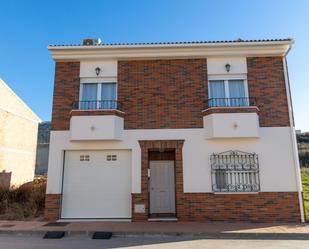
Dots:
pixel 188 131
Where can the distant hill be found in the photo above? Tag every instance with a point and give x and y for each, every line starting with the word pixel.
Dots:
pixel 303 137
pixel 44 132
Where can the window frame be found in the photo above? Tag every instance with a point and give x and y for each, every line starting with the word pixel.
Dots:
pixel 99 83
pixel 225 79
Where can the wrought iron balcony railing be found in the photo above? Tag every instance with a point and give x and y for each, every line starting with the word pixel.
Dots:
pixel 231 102
pixel 97 105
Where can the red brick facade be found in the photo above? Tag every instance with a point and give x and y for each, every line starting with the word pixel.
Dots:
pixel 266 83
pixel 52 206
pixel 66 92
pixel 260 207
pixel 171 94
pixel 161 94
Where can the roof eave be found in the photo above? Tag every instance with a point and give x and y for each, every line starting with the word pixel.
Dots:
pixel 271 48
pixel 176 45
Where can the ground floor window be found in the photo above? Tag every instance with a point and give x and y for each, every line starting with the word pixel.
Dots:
pixel 235 171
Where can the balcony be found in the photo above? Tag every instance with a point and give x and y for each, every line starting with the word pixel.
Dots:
pixel 97 105
pixel 231 102
pixel 231 118
pixel 96 120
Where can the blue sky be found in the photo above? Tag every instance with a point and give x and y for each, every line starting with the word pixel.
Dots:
pixel 27 27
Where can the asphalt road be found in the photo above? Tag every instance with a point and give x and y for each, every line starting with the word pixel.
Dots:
pixel 75 242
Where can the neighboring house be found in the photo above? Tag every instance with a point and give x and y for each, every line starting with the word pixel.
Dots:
pixel 192 131
pixel 41 163
pixel 18 139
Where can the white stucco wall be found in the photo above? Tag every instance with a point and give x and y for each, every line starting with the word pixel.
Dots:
pixel 108 68
pixel 231 125
pixel 273 148
pixel 103 127
pixel 18 137
pixel 216 65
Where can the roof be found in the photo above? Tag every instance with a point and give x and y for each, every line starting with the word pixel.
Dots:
pixel 162 50
pixel 175 43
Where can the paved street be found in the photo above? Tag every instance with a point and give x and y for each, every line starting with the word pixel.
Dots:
pixel 75 242
pixel 157 227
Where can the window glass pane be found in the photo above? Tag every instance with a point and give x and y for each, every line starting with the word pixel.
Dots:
pixel 237 93
pixel 89 96
pixel 217 93
pixel 221 179
pixel 108 96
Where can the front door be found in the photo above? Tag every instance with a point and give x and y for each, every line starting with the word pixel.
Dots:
pixel 162 188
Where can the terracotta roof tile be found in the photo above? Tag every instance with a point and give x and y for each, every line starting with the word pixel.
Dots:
pixel 174 43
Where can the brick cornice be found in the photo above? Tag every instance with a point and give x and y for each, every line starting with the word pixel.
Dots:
pixel 97 113
pixel 248 109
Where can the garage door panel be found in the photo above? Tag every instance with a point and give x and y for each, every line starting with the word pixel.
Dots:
pixel 97 188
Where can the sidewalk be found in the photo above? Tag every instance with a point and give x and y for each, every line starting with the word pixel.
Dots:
pixel 211 229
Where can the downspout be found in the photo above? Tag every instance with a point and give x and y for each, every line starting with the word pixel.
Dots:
pixel 293 140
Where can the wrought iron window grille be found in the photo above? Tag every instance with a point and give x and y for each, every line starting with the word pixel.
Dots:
pixel 235 171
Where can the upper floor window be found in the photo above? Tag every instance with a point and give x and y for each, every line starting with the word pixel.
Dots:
pixel 224 93
pixel 98 96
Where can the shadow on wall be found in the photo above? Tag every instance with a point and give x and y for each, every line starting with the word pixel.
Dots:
pixel 5 179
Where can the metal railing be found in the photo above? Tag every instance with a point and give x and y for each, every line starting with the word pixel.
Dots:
pixel 235 171
pixel 96 105
pixel 231 102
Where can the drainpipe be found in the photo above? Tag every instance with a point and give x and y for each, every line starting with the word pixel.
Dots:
pixel 293 140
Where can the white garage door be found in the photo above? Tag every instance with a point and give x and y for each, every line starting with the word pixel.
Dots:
pixel 97 184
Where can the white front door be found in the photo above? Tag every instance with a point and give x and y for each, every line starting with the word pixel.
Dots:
pixel 162 187
pixel 97 184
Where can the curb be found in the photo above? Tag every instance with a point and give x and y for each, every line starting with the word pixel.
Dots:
pixel 286 236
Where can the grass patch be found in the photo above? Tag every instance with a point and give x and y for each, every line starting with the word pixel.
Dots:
pixel 23 203
pixel 305 180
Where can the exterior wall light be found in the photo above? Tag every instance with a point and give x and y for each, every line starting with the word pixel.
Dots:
pixel 227 67
pixel 97 71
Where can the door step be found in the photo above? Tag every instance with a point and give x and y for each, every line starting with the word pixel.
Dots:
pixel 163 219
